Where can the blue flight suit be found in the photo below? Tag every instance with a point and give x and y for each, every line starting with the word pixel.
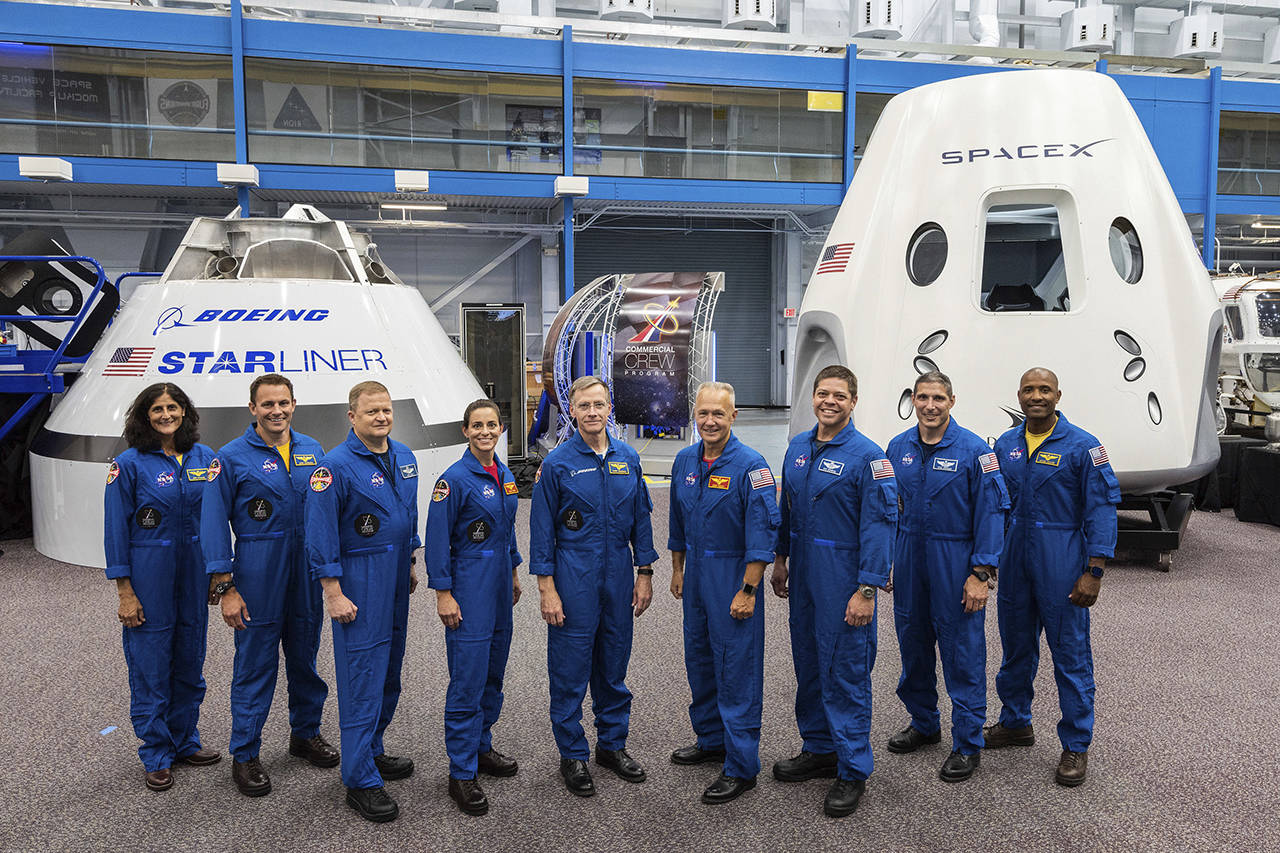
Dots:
pixel 839 507
pixel 152 537
pixel 362 527
pixel 952 519
pixel 722 518
pixel 262 497
pixel 590 524
pixel 1064 512
pixel 471 550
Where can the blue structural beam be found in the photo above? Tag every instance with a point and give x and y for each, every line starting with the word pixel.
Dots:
pixel 1214 112
pixel 138 29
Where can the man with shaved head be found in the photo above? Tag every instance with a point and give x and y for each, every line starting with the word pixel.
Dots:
pixel 1062 530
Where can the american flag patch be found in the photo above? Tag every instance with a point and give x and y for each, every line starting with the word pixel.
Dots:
pixel 835 258
pixel 1099 456
pixel 761 478
pixel 989 463
pixel 881 469
pixel 129 361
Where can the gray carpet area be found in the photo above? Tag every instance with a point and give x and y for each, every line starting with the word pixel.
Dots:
pixel 1184 756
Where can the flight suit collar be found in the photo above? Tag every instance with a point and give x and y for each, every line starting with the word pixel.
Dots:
pixel 580 444
pixel 391 486
pixel 251 436
pixel 731 449
pixel 495 508
pixel 846 433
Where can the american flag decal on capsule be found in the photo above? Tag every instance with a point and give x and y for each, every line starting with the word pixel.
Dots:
pixel 835 258
pixel 129 361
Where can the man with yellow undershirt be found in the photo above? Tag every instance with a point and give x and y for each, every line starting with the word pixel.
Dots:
pixel 257 484
pixel 1061 531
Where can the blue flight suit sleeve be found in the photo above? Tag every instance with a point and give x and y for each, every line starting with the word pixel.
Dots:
pixel 516 558
pixel 989 500
pixel 215 514
pixel 877 523
pixel 324 548
pixel 415 541
pixel 441 516
pixel 118 513
pixel 783 546
pixel 1101 494
pixel 762 518
pixel 542 531
pixel 675 513
pixel 642 524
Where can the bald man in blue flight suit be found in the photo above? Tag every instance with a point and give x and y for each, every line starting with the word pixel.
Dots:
pixel 950 531
pixel 590 524
pixel 723 526
pixel 1062 530
pixel 362 522
pixel 839 508
pixel 259 483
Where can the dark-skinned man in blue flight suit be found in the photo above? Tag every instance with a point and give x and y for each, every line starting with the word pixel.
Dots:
pixel 259 484
pixel 589 525
pixel 362 522
pixel 471 558
pixel 723 526
pixel 1062 531
pixel 839 508
pixel 950 531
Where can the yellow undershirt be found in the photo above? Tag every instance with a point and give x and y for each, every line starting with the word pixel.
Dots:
pixel 284 454
pixel 179 458
pixel 1035 440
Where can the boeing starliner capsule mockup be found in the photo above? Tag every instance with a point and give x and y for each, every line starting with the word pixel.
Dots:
pixel 1010 220
pixel 302 296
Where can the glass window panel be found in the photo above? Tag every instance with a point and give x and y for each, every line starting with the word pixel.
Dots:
pixel 868 106
pixel 1249 153
pixel 1023 268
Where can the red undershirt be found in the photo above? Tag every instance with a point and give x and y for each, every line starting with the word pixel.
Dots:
pixel 493 472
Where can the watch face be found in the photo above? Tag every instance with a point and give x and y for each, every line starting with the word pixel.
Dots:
pixel 868 592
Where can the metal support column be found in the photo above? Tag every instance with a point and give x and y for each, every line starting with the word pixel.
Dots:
pixel 1209 235
pixel 850 105
pixel 237 96
pixel 566 154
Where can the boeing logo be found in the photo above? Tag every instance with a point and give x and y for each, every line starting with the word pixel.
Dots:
pixel 1022 152
pixel 171 318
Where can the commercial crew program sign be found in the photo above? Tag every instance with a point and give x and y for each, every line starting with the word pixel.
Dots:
pixel 651 348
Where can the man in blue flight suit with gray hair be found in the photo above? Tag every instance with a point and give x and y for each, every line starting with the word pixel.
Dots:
pixel 950 531
pixel 258 483
pixel 589 525
pixel 723 526
pixel 1062 530
pixel 839 507
pixel 362 523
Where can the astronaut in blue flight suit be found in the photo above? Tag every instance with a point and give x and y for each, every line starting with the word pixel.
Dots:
pixel 839 507
pixel 590 523
pixel 362 521
pixel 471 559
pixel 152 543
pixel 723 526
pixel 258 483
pixel 1062 530
pixel 950 531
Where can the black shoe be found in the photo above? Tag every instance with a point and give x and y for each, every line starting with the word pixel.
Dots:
pixel 373 804
pixel 392 767
pixel 843 796
pixel 959 767
pixel 316 750
pixel 998 737
pixel 577 778
pixel 250 778
pixel 617 760
pixel 726 788
pixel 910 739
pixel 467 794
pixel 806 765
pixel 695 754
pixel 494 763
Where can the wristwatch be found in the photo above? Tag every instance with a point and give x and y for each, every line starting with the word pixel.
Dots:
pixel 221 588
pixel 749 588
pixel 867 591
pixel 1096 571
pixel 644 570
pixel 981 574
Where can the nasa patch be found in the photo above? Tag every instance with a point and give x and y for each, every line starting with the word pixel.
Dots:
pixel 215 468
pixel 478 530
pixel 366 524
pixel 802 460
pixel 691 480
pixel 1015 454
pixel 164 478
pixel 908 458
pixel 113 471
pixel 440 492
pixel 148 518
pixel 488 492
pixel 270 466
pixel 321 479
pixel 376 479
pixel 260 509
pixel 510 488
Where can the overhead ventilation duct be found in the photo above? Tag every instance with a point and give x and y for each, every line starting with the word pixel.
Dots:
pixel 877 19
pixel 750 15
pixel 476 5
pixel 1090 26
pixel 626 10
pixel 1271 45
pixel 1197 35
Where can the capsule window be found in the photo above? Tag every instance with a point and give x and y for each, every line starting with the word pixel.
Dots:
pixel 1126 250
pixel 1234 325
pixel 1023 267
pixel 926 254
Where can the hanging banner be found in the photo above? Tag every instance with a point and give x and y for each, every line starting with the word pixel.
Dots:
pixel 651 348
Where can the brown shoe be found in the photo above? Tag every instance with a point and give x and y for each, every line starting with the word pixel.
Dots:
pixel 250 778
pixel 494 763
pixel 160 780
pixel 998 736
pixel 318 751
pixel 202 757
pixel 1071 768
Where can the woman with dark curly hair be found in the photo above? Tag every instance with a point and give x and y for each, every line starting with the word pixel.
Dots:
pixel 153 554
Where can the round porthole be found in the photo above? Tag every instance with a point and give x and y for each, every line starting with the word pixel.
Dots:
pixel 932 342
pixel 55 296
pixel 926 254
pixel 924 365
pixel 905 408
pixel 1153 408
pixel 1126 250
pixel 1134 370
pixel 1127 343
